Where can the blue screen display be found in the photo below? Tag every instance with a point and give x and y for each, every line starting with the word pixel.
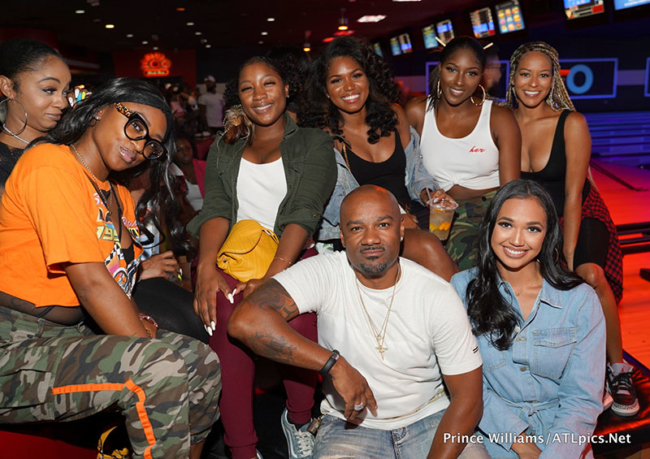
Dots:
pixel 624 4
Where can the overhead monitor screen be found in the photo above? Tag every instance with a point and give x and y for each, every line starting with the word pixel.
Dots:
pixel 405 43
pixel 377 48
pixel 482 23
pixel 445 31
pixel 576 9
pixel 625 4
pixel 509 17
pixel 394 47
pixel 429 35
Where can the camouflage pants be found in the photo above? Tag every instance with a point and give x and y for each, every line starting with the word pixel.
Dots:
pixel 166 388
pixel 462 245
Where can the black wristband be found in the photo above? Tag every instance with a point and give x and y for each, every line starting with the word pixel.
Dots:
pixel 330 363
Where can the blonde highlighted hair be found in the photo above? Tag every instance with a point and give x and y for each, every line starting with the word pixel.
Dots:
pixel 558 97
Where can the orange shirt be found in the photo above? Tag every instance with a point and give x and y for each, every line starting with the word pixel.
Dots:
pixel 50 214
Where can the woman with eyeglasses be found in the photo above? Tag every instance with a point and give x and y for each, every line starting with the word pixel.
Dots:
pixel 73 340
pixel 34 82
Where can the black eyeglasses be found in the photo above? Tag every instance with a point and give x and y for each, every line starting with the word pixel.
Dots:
pixel 136 129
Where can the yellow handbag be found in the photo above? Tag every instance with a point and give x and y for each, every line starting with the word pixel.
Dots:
pixel 248 251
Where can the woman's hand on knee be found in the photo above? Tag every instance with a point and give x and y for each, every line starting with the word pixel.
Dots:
pixel 209 283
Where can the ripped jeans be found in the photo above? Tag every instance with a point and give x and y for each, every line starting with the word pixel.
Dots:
pixel 338 439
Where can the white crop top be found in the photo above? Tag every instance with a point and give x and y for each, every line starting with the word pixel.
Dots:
pixel 260 191
pixel 471 162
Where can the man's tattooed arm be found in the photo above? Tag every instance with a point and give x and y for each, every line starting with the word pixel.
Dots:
pixel 260 322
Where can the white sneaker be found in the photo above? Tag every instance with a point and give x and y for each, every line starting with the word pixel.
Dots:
pixel 299 442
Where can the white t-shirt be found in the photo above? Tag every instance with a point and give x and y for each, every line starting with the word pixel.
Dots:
pixel 261 188
pixel 428 331
pixel 214 103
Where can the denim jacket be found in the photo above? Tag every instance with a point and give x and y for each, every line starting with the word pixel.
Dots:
pixel 550 382
pixel 417 179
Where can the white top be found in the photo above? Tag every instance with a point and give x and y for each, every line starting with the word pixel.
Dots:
pixel 428 331
pixel 260 191
pixel 472 161
pixel 194 196
pixel 214 103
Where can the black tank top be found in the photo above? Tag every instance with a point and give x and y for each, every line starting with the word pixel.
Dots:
pixel 389 174
pixel 553 175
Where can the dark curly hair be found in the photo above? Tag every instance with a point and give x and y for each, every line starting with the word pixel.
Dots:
pixel 316 110
pixel 454 45
pixel 290 76
pixel 488 310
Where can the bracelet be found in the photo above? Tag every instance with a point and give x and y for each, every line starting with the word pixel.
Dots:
pixel 330 362
pixel 282 259
pixel 149 319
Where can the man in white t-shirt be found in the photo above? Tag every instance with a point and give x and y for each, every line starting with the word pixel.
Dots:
pixel 211 106
pixel 399 329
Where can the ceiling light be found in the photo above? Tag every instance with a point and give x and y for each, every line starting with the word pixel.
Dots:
pixel 129 35
pixel 190 24
pixel 145 42
pixel 270 19
pixel 208 45
pixel 155 48
pixel 328 39
pixel 197 33
pixel 343 21
pixel 372 18
pixel 265 33
pixel 306 47
pixel 343 33
pixel 180 9
pixel 261 42
pixel 110 26
pixel 80 11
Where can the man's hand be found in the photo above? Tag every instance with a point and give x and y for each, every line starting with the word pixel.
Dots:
pixel 353 388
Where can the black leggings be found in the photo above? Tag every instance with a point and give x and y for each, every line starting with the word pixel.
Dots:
pixel 171 306
pixel 593 243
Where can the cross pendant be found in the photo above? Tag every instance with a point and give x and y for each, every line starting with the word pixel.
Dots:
pixel 381 350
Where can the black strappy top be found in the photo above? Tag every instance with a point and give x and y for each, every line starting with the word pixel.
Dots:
pixel 389 174
pixel 553 175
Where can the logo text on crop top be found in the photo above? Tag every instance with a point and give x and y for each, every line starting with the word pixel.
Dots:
pixel 476 149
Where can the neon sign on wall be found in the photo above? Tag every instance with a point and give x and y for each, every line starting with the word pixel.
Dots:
pixel 155 65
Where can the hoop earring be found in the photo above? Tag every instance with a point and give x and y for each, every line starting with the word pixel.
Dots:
pixel 471 98
pixel 438 90
pixel 4 125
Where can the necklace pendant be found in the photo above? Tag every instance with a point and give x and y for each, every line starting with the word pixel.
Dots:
pixel 381 350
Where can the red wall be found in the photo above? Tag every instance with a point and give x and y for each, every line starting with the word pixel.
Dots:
pixel 183 64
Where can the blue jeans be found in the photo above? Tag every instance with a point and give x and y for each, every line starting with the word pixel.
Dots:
pixel 338 439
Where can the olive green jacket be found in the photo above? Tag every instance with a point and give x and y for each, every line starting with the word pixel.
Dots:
pixel 309 167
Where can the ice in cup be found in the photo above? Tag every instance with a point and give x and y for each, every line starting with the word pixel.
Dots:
pixel 441 214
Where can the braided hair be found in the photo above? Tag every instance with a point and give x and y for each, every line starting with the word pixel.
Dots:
pixel 558 97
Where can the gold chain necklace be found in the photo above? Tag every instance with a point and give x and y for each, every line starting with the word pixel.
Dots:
pixel 380 335
pixel 83 163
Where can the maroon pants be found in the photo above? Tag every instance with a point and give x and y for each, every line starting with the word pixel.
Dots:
pixel 238 375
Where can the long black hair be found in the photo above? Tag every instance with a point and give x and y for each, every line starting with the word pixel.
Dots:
pixel 316 110
pixel 488 310
pixel 454 45
pixel 74 124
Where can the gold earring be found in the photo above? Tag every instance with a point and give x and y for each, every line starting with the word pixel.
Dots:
pixel 482 100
